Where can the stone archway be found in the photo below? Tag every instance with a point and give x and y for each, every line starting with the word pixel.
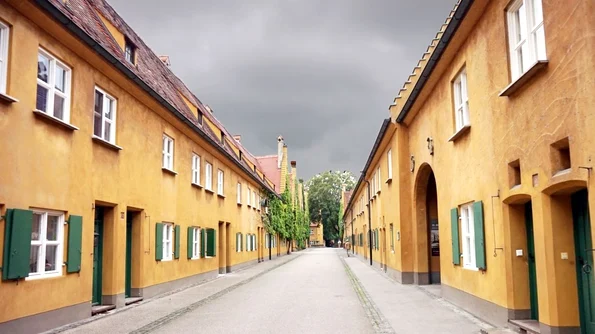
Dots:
pixel 426 266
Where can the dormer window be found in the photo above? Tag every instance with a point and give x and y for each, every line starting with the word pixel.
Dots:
pixel 129 51
pixel 199 117
pixel 222 138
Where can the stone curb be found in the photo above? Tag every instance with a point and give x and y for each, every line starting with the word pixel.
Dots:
pixel 380 324
pixel 169 293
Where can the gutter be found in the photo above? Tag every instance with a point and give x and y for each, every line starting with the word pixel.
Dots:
pixel 449 32
pixel 381 134
pixel 82 35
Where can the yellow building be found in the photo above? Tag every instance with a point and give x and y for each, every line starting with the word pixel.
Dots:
pixel 316 235
pixel 487 150
pixel 116 182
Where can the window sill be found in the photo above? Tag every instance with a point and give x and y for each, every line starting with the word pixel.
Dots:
pixel 195 258
pixel 197 185
pixel 106 143
pixel 167 170
pixel 220 196
pixel 165 260
pixel 54 119
pixel 465 129
pixel 524 78
pixel 389 180
pixel 38 277
pixel 209 191
pixel 470 268
pixel 7 98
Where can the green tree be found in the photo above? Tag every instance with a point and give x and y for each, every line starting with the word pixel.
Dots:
pixel 324 200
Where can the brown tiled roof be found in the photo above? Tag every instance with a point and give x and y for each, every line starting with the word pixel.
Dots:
pixel 149 67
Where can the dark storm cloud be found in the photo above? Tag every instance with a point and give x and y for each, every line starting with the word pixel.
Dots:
pixel 321 73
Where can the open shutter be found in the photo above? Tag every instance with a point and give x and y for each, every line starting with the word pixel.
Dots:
pixel 17 243
pixel 241 242
pixel 211 242
pixel 190 242
pixel 454 225
pixel 158 241
pixel 480 250
pixel 203 242
pixel 177 240
pixel 75 243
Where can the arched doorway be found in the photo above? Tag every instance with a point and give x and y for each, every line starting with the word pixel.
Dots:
pixel 426 232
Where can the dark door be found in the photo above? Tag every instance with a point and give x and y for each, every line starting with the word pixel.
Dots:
pixel 531 261
pixel 584 260
pixel 97 255
pixel 128 282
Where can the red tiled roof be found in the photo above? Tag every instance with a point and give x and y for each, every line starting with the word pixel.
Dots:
pixel 149 67
pixel 269 167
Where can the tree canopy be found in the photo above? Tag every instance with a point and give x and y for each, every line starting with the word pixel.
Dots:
pixel 324 200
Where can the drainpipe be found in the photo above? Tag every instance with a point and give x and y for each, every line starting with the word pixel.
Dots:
pixel 369 221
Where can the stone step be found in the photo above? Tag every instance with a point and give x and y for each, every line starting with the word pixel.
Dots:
pixel 526 326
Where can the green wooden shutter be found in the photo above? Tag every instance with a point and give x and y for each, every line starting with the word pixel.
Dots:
pixel 211 243
pixel 190 242
pixel 454 226
pixel 480 250
pixel 158 241
pixel 75 243
pixel 177 241
pixel 17 243
pixel 248 246
pixel 241 242
pixel 203 243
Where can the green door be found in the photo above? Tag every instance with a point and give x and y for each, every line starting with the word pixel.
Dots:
pixel 97 255
pixel 128 282
pixel 531 261
pixel 584 261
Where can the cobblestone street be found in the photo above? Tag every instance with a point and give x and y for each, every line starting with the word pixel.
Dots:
pixel 313 291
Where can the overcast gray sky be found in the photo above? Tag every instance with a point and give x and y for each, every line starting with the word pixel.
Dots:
pixel 322 73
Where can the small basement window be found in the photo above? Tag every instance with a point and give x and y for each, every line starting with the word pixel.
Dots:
pixel 514 173
pixel 560 155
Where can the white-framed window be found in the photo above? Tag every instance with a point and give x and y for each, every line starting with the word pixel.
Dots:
pixel 254 199
pixel 209 176
pixel 248 243
pixel 168 152
pixel 389 159
pixel 239 193
pixel 129 51
pixel 195 168
pixel 220 182
pixel 53 86
pixel 196 243
pixel 249 196
pixel 258 201
pixel 104 116
pixel 468 236
pixel 459 86
pixel 167 242
pixel 47 244
pixel 4 35
pixel 238 242
pixel 526 35
pixel 378 177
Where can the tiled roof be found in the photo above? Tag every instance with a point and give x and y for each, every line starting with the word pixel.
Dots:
pixel 269 167
pixel 149 67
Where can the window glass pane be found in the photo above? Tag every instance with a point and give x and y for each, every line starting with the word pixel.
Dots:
pixel 43 66
pixel 537 12
pixel 52 228
pixel 60 81
pixel 97 125
pixel 110 108
pixel 58 107
pixel 522 22
pixel 50 257
pixel 98 102
pixel 107 131
pixel 525 58
pixel 36 232
pixel 33 259
pixel 42 98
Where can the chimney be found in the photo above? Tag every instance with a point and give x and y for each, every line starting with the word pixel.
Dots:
pixel 280 144
pixel 292 180
pixel 165 60
pixel 284 168
pixel 209 109
pixel 238 138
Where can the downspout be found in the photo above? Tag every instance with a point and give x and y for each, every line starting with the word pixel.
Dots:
pixel 369 221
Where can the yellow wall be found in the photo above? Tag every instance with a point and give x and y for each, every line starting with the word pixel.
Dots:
pixel 50 167
pixel 554 104
pixel 317 235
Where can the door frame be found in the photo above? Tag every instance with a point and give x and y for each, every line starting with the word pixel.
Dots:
pixel 97 286
pixel 128 260
pixel 532 269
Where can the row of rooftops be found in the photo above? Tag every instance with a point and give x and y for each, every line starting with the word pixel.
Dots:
pixel 94 22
